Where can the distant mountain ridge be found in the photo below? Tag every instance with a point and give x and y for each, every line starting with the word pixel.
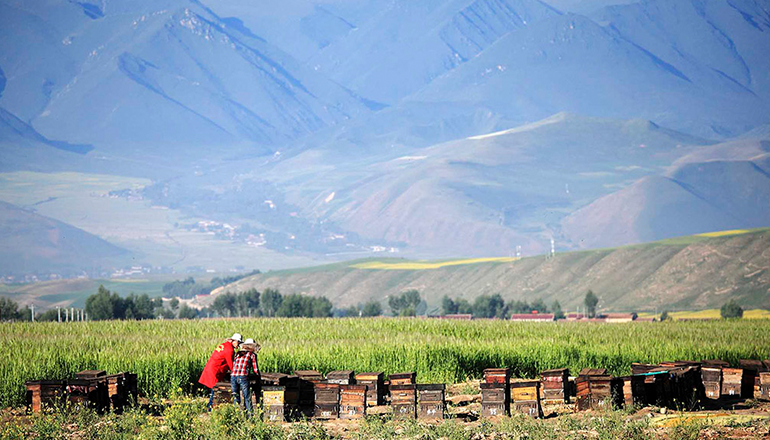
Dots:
pixel 34 243
pixel 686 273
pixel 438 127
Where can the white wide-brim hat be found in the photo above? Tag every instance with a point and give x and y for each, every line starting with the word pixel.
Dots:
pixel 237 337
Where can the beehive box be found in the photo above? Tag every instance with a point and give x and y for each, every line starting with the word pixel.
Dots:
pixel 732 382
pixel 327 398
pixel 375 387
pixel 275 379
pixel 118 392
pixel 431 401
pixel 223 393
pixel 764 385
pixel 403 399
pixel 593 389
pixel 750 385
pixel 45 393
pixel 403 378
pixel 345 377
pixel 623 391
pixel 353 401
pixel 525 398
pixel 90 374
pixel 497 375
pixel 495 400
pixel 309 375
pixel 280 403
pixel 555 385
pixel 92 393
pixel 711 376
pixel 686 387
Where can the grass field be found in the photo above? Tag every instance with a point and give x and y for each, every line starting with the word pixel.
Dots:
pixel 169 355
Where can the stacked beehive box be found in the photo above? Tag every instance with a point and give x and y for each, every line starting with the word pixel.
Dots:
pixel 555 386
pixel 525 398
pixel 403 395
pixel 732 382
pixel 685 387
pixel 623 390
pixel 307 380
pixel 751 370
pixel 89 388
pixel 764 385
pixel 45 393
pixel 593 389
pixel 431 400
pixel 223 393
pixel 353 401
pixel 711 376
pixel 280 396
pixel 403 399
pixel 345 377
pixel 495 398
pixel 375 387
pixel 327 400
pixel 121 389
pixel 280 403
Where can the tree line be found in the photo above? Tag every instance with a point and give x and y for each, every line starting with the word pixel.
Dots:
pixel 494 306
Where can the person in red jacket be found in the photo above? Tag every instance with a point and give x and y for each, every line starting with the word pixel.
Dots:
pixel 219 364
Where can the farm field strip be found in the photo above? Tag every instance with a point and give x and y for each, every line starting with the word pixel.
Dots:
pixel 427 265
pixel 169 355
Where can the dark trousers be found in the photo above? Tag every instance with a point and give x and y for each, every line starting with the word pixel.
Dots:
pixel 240 385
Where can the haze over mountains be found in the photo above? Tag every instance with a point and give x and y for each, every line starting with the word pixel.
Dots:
pixel 439 127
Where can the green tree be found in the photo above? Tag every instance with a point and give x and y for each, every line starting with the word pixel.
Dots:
pixel 558 313
pixel 9 309
pixel 187 312
pixel 540 306
pixel 591 301
pixel 49 315
pixel 371 308
pixel 351 312
pixel 101 306
pixel 664 316
pixel 295 306
pixel 271 302
pixel 489 306
pixel 321 307
pixel 463 306
pixel 448 306
pixel 731 309
pixel 225 304
pixel 174 304
pixel 405 304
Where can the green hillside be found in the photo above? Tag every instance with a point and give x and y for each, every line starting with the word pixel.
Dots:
pixel 695 272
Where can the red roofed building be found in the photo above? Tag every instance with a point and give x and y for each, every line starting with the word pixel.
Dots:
pixel 461 316
pixel 537 317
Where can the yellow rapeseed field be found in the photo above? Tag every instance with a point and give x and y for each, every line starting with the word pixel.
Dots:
pixel 425 265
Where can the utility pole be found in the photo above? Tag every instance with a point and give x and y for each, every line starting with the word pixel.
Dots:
pixel 58 314
pixel 72 313
pixel 32 311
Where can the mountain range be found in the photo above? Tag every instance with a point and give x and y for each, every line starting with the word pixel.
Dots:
pixel 439 128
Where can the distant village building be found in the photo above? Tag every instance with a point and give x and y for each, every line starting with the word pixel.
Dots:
pixel 618 317
pixel 460 316
pixel 533 317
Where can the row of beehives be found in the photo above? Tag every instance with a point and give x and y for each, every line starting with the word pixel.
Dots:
pixel 678 385
pixel 92 388
pixel 342 394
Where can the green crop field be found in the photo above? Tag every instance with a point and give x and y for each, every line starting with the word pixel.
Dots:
pixel 169 355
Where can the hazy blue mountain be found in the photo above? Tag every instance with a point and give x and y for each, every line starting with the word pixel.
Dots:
pixel 32 243
pixel 571 63
pixel 481 195
pixel 723 187
pixel 131 76
pixel 408 44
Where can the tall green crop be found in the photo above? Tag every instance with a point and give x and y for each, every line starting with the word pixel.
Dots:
pixel 168 355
